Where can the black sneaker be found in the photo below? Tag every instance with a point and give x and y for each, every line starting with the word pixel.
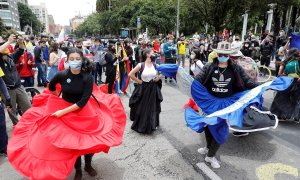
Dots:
pixel 240 134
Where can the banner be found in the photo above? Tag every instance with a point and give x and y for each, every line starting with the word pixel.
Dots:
pixel 295 41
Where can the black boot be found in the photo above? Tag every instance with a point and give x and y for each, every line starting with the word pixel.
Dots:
pixel 78 174
pixel 90 170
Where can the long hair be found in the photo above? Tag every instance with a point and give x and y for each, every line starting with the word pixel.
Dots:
pixel 87 65
pixel 144 54
pixel 292 54
pixel 54 47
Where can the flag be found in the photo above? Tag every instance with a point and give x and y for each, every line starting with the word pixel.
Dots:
pixel 117 82
pixel 295 41
pixel 215 112
pixel 61 37
pixel 125 80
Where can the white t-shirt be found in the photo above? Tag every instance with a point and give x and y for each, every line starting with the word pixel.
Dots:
pixel 196 67
pixel 237 44
pixel 149 73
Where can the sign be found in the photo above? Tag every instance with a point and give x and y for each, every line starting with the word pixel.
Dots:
pixel 138 22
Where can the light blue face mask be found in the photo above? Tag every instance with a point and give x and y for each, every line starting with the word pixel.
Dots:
pixel 223 59
pixel 75 65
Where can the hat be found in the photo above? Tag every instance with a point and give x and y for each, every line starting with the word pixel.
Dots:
pixel 292 53
pixel 225 48
pixel 237 54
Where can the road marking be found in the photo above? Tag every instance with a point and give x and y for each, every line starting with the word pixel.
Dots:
pixel 268 171
pixel 208 172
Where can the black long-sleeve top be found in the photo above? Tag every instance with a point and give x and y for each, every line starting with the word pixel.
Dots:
pixel 76 88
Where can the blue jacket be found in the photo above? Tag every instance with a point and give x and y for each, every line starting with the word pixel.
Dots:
pixel 46 53
pixel 168 51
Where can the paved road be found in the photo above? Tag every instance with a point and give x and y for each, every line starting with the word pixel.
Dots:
pixel 171 152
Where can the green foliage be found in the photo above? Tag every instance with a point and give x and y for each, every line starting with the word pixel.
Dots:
pixel 159 16
pixel 2 26
pixel 27 17
pixel 8 32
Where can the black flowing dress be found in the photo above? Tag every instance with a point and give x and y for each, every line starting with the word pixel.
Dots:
pixel 286 104
pixel 145 106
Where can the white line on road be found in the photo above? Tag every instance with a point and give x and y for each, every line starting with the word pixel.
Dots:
pixel 208 172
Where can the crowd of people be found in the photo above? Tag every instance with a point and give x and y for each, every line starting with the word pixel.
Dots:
pixel 73 71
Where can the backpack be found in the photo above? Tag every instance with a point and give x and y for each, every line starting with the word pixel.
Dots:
pixel 102 60
pixel 143 67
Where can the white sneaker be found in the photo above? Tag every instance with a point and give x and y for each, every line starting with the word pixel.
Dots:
pixel 203 150
pixel 213 162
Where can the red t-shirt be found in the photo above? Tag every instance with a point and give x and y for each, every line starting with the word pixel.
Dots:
pixel 156 47
pixel 25 69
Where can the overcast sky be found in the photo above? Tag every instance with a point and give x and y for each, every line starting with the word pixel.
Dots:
pixel 64 10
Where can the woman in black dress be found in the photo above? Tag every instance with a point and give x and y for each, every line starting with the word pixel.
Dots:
pixel 77 86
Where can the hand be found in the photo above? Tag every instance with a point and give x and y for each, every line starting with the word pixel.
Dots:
pixel 20 40
pixel 11 38
pixel 140 81
pixel 58 113
pixel 156 79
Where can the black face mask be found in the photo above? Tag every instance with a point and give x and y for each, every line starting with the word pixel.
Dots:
pixel 153 58
pixel 79 47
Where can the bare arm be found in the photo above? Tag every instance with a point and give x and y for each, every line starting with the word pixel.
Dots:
pixel 133 72
pixel 53 59
pixel 5 45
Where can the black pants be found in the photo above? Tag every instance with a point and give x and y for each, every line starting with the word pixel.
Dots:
pixel 87 159
pixel 98 71
pixel 212 144
pixel 265 60
pixel 110 80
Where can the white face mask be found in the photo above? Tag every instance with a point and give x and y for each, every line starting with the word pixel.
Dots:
pixel 75 64
pixel 193 56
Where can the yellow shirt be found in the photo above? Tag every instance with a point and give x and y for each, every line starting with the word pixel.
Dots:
pixel 212 56
pixel 28 45
pixel 181 48
pixel 1 74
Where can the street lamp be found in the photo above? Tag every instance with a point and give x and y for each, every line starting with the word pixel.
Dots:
pixel 245 24
pixel 270 16
pixel 177 24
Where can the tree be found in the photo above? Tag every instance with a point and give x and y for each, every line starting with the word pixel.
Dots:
pixel 2 26
pixel 27 17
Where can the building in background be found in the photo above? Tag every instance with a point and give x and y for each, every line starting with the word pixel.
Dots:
pixel 68 29
pixel 76 21
pixel 23 2
pixel 10 14
pixel 42 14
pixel 52 24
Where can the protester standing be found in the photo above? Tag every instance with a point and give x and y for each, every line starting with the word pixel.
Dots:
pixel 146 97
pixel 40 63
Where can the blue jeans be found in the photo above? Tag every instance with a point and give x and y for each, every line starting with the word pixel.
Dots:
pixel 3 133
pixel 52 72
pixel 41 77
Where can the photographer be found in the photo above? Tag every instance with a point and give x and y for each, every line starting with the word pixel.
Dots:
pixel 12 78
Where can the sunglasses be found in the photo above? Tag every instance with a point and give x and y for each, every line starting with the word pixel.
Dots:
pixel 223 55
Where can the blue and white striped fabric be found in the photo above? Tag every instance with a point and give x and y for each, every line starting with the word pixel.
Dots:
pixel 219 110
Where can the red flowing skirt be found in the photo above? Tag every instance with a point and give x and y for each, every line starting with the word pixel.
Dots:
pixel 46 147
